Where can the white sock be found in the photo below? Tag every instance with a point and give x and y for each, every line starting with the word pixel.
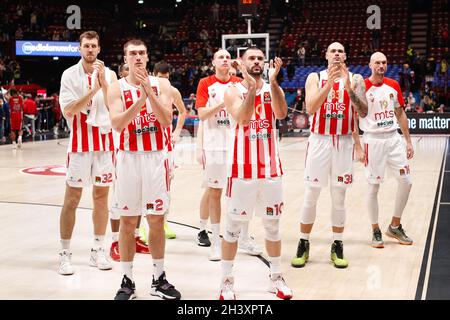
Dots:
pixel 127 269
pixel 275 265
pixel 98 241
pixel 304 236
pixel 203 223
pixel 338 236
pixel 215 238
pixel 158 268
pixel 227 268
pixel 392 227
pixel 115 236
pixel 65 244
pixel 136 232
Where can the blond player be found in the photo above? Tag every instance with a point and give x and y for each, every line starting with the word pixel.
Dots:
pixel 254 167
pixel 383 146
pixel 211 111
pixel 141 110
pixel 332 98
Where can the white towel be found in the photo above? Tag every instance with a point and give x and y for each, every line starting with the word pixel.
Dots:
pixel 74 85
pixel 98 115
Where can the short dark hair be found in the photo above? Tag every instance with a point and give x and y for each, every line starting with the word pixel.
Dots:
pixel 252 47
pixel 122 66
pixel 91 34
pixel 161 67
pixel 134 42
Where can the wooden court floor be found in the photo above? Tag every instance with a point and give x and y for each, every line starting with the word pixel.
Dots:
pixel 29 233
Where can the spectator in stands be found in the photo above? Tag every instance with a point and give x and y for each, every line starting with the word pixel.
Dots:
pixel 301 53
pixel 300 101
pixel 57 114
pixel 376 37
pixel 190 105
pixel 2 120
pixel 410 53
pixel 365 51
pixel 393 29
pixel 411 102
pixel 215 9
pixel 33 21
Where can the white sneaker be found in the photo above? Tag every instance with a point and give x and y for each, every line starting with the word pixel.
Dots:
pixel 249 246
pixel 227 290
pixel 19 142
pixel 99 259
pixel 14 145
pixel 279 287
pixel 65 265
pixel 215 253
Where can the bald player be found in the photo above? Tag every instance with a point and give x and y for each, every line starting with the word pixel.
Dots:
pixel 332 98
pixel 211 110
pixel 383 146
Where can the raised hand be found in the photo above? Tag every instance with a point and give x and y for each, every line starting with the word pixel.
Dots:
pixel 334 73
pixel 99 66
pixel 237 64
pixel 274 68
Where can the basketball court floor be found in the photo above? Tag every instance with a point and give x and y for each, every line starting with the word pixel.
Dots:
pixel 32 187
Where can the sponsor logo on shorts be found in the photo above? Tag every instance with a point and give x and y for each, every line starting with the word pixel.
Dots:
pixel 316 180
pixel 340 179
pixel 216 182
pixel 378 178
pixel 125 208
pixel 269 211
pixel 149 206
pixel 243 213
pixel 79 180
pixel 98 179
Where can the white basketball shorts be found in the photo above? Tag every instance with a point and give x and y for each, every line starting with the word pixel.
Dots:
pixel 214 169
pixel 87 168
pixel 329 156
pixel 265 196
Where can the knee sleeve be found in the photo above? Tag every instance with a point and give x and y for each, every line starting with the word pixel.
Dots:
pixel 232 230
pixel 403 189
pixel 308 213
pixel 338 206
pixel 372 202
pixel 272 227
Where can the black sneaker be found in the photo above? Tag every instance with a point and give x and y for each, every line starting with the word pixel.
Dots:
pixel 203 239
pixel 377 239
pixel 126 291
pixel 162 288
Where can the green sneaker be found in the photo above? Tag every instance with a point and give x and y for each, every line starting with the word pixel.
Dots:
pixel 337 254
pixel 399 234
pixel 168 232
pixel 143 234
pixel 377 239
pixel 302 255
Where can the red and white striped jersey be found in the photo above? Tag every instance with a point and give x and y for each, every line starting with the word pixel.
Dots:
pixel 253 149
pixel 144 132
pixel 168 136
pixel 86 138
pixel 210 93
pixel 382 99
pixel 336 115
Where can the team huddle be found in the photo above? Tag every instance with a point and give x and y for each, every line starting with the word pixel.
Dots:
pixel 121 137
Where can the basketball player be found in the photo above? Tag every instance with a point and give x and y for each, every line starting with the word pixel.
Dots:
pixel 90 152
pixel 141 110
pixel 254 167
pixel 141 246
pixel 245 242
pixel 332 97
pixel 16 107
pixel 383 146
pixel 211 110
pixel 161 70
